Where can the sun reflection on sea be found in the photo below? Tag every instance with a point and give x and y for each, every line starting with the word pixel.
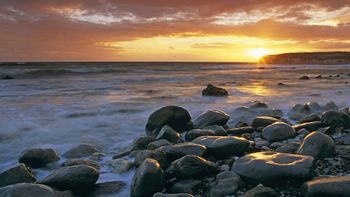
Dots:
pixel 257 89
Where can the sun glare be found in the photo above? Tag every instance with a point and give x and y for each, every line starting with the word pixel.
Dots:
pixel 258 52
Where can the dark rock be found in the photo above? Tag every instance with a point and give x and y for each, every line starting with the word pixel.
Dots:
pixel 159 143
pixel 263 121
pixel 31 190
pixel 38 157
pixel 142 142
pixel 291 147
pixel 260 191
pixel 278 131
pixel 281 84
pixel 343 151
pixel 327 187
pixel 258 105
pixel 176 151
pixel 176 117
pixel 317 145
pixel 194 133
pixel 344 139
pixel 105 189
pixel 212 90
pixel 211 117
pixel 241 124
pixel 169 134
pixel 223 146
pixel 240 130
pixel 172 195
pixel 330 106
pixel 310 126
pixel 190 166
pixel 77 177
pixel 120 165
pixel 273 168
pixel 122 153
pixel 83 150
pixel 190 186
pixel 8 77
pixel 17 174
pixel 148 179
pixel 310 118
pixel 335 118
pixel 226 184
pixel 159 156
pixel 75 162
pixel 298 111
pixel 314 106
pixel 304 78
pixel 219 130
pixel 318 77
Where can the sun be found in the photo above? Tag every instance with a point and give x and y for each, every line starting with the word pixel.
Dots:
pixel 258 53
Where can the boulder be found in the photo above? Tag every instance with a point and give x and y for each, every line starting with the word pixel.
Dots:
pixel 120 165
pixel 211 117
pixel 17 174
pixel 31 190
pixel 335 118
pixel 310 118
pixel 159 143
pixel 169 134
pixel 212 90
pixel 176 151
pixel 172 195
pixel 330 106
pixel 105 189
pixel 343 151
pixel 38 157
pixel 263 121
pixel 278 131
pixel 327 187
pixel 223 146
pixel 310 126
pixel 317 145
pixel 75 162
pixel 77 177
pixel 258 105
pixel 274 168
pixel 158 155
pixel 260 191
pixel 219 130
pixel 148 179
pixel 190 166
pixel 240 130
pixel 304 78
pixel 298 111
pixel 83 150
pixel 190 186
pixel 194 133
pixel 141 143
pixel 291 147
pixel 176 117
pixel 226 184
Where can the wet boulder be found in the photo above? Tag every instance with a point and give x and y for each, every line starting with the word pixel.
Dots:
pixel 169 134
pixel 223 146
pixel 298 111
pixel 31 189
pixel 327 187
pixel 219 130
pixel 148 179
pixel 77 177
pixel 278 131
pixel 211 117
pixel 310 118
pixel 120 165
pixel 190 186
pixel 335 118
pixel 75 162
pixel 190 166
pixel 274 168
pixel 240 130
pixel 159 143
pixel 261 191
pixel 158 155
pixel 38 157
pixel 176 117
pixel 317 145
pixel 176 151
pixel 142 142
pixel 82 150
pixel 226 184
pixel 104 189
pixel 258 105
pixel 309 126
pixel 212 90
pixel 17 174
pixel 263 121
pixel 290 147
pixel 194 133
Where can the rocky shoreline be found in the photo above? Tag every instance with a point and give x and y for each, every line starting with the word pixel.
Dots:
pixel 306 153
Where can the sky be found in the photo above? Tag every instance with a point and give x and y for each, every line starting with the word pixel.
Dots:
pixel 169 30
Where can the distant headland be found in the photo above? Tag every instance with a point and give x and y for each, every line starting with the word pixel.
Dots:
pixel 307 58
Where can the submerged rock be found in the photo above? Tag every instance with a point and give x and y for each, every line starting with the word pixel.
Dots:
pixel 327 187
pixel 30 189
pixel 7 77
pixel 105 189
pixel 83 150
pixel 38 157
pixel 258 105
pixel 223 146
pixel 148 179
pixel 304 78
pixel 278 131
pixel 17 174
pixel 176 117
pixel 317 145
pixel 212 90
pixel 72 178
pixel 273 168
pixel 169 134
pixel 120 165
pixel 211 117
pixel 190 166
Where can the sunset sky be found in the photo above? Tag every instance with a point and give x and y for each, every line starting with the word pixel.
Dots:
pixel 169 30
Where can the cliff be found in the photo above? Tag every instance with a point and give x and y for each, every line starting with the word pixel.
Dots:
pixel 308 58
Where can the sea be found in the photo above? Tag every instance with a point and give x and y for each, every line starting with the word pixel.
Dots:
pixel 63 104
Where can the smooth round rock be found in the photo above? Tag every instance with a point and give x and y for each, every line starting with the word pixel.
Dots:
pixel 176 151
pixel 327 187
pixel 75 162
pixel 194 133
pixel 260 191
pixel 310 126
pixel 317 145
pixel 271 167
pixel 176 117
pixel 142 142
pixel 226 184
pixel 159 143
pixel 72 177
pixel 278 131
pixel 291 147
pixel 107 189
pixel 190 186
pixel 212 90
pixel 335 118
pixel 148 179
pixel 31 190
pixel 17 174
pixel 190 166
pixel 82 150
pixel 223 146
pixel 263 121
pixel 169 134
pixel 38 157
pixel 211 117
